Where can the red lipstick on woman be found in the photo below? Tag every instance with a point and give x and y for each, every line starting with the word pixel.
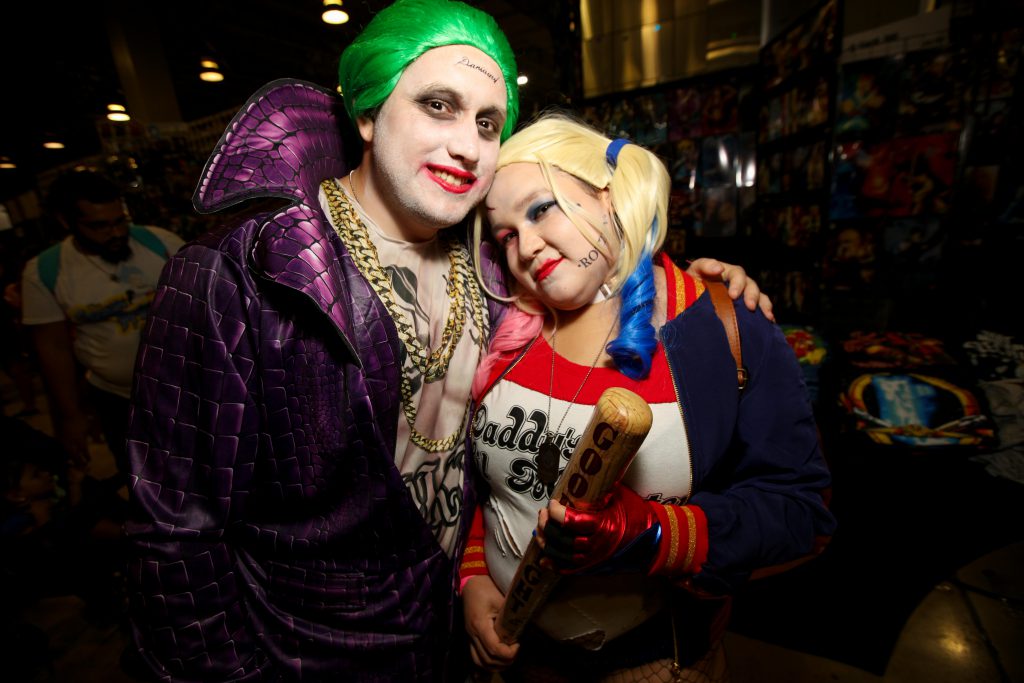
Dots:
pixel 546 268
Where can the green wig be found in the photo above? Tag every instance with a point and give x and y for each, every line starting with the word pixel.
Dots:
pixel 399 34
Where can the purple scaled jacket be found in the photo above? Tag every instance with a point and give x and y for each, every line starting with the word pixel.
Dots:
pixel 272 535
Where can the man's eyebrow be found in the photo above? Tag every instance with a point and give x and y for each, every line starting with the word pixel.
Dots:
pixel 440 91
pixel 445 92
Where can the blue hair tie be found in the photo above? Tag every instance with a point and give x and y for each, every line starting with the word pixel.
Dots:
pixel 614 147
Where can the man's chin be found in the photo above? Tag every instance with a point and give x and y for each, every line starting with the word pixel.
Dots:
pixel 457 207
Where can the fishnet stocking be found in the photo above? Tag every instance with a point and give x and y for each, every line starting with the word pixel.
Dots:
pixel 711 668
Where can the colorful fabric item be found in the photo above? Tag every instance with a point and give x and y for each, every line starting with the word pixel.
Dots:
pixel 811 351
pixel 916 410
pixel 809 347
pixel 894 350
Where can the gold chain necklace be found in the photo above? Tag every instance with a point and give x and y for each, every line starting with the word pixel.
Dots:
pixel 549 455
pixel 434 365
pixel 461 282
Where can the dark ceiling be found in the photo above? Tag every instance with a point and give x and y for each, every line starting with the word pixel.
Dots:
pixel 60 73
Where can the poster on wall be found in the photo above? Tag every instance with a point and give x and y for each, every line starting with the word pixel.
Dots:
pixel 894 177
pixel 650 120
pixel 684 113
pixel 685 166
pixel 798 49
pixel 931 94
pixel 911 253
pixel 805 167
pixel 865 102
pixel 850 259
pixel 684 209
pixel 922 175
pixel 720 108
pixel 718 160
pixel 720 212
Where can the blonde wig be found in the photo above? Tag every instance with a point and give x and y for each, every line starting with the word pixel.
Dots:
pixel 638 186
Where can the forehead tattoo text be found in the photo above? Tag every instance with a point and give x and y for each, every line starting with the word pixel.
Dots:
pixel 465 62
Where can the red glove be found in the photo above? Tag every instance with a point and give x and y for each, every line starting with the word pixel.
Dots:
pixel 591 538
pixel 629 533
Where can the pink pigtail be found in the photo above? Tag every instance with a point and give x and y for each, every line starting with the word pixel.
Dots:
pixel 515 331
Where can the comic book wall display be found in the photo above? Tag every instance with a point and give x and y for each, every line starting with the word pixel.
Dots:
pixel 924 170
pixel 840 178
pixel 895 155
pixel 700 130
pixel 794 135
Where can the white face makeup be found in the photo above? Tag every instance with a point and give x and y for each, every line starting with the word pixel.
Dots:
pixel 434 142
pixel 545 251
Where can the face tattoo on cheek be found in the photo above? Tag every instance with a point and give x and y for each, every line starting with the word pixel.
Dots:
pixel 589 260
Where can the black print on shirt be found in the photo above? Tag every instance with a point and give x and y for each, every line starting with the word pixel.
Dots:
pixel 444 511
pixel 522 432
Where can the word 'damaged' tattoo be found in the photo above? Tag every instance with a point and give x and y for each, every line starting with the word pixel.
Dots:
pixel 465 62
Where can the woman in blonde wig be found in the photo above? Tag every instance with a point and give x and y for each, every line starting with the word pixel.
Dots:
pixel 727 481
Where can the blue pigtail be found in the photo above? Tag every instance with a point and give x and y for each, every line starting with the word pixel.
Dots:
pixel 633 349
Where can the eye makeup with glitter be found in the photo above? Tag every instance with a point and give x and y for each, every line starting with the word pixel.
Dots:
pixel 539 208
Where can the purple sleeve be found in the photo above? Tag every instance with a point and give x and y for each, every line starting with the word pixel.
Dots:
pixel 192 443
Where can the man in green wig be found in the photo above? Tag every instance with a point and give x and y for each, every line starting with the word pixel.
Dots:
pixel 301 394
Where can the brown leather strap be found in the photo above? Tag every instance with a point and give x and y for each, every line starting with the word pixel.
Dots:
pixel 727 314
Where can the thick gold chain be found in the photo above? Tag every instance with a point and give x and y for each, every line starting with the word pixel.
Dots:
pixel 461 281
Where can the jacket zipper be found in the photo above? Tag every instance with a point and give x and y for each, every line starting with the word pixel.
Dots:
pixel 682 414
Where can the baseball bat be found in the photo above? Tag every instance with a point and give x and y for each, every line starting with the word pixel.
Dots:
pixel 618 426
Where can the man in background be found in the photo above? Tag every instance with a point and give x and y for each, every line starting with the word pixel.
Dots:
pixel 85 301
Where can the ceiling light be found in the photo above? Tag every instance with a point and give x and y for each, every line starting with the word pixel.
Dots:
pixel 116 112
pixel 210 71
pixel 522 79
pixel 53 144
pixel 333 14
pixel 5 162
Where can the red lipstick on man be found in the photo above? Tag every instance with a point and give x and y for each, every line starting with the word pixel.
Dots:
pixel 464 180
